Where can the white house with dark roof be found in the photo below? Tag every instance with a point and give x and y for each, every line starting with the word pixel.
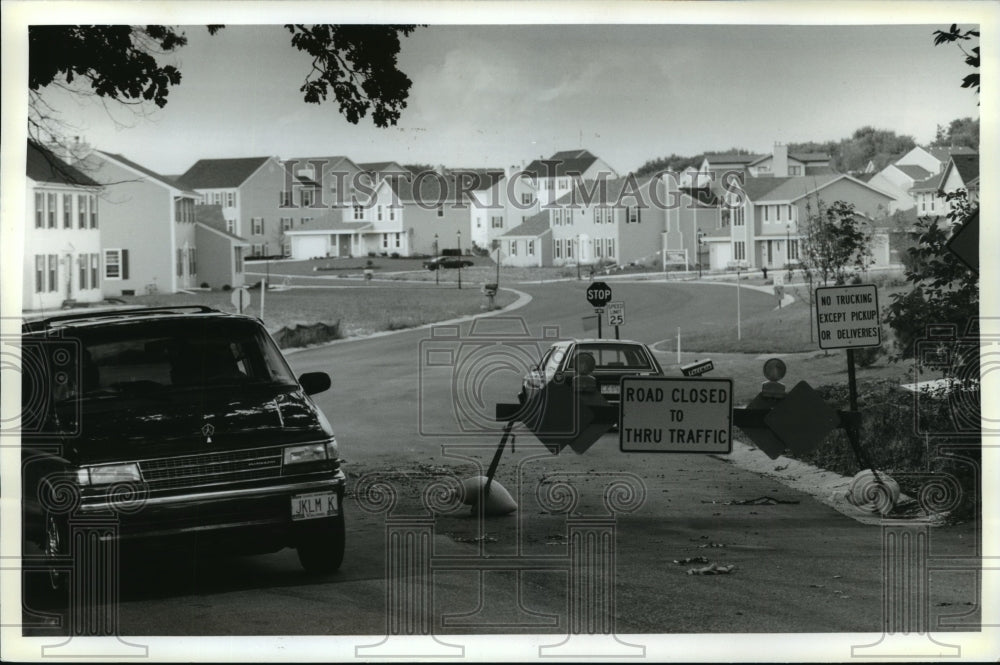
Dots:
pixel 961 172
pixel 253 194
pixel 148 237
pixel 779 163
pixel 62 236
pixel 555 176
pixel 897 180
pixel 933 159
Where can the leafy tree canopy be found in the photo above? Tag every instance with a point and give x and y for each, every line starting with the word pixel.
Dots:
pixel 960 132
pixel 354 63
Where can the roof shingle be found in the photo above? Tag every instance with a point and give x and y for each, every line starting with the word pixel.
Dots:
pixel 532 227
pixel 219 173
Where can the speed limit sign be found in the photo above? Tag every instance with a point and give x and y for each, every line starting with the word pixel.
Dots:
pixel 616 313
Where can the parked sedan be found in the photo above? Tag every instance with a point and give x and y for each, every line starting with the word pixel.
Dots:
pixel 612 360
pixel 447 262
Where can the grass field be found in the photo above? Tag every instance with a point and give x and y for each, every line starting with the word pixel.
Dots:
pixel 359 310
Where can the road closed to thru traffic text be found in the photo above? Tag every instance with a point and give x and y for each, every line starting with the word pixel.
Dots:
pixel 675 415
pixel 847 316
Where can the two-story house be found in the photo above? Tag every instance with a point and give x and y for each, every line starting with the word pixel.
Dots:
pixel 621 221
pixel 764 218
pixel 148 236
pixel 406 216
pixel 62 237
pixel 779 163
pixel 556 175
pixel 897 180
pixel 254 196
pixel 960 172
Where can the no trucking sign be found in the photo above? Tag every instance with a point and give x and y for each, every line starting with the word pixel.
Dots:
pixel 676 415
pixel 847 316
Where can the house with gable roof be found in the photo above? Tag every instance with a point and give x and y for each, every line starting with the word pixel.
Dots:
pixel 529 244
pixel 148 237
pixel 764 217
pixel 897 180
pixel 404 216
pixel 933 159
pixel 961 172
pixel 251 191
pixel 779 163
pixel 555 176
pixel 62 236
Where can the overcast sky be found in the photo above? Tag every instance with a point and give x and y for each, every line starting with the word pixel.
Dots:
pixel 503 95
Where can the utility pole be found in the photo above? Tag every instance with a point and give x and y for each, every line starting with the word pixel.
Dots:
pixel 460 258
pixel 437 271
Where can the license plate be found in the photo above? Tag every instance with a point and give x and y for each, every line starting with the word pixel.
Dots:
pixel 312 506
pixel 609 389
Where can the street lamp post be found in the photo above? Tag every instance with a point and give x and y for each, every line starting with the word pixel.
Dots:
pixel 437 271
pixel 698 252
pixel 788 243
pixel 460 258
pixel 578 257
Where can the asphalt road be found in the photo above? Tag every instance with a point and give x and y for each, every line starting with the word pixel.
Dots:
pixel 409 410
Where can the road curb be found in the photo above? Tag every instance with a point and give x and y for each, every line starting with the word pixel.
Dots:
pixel 522 300
pixel 827 487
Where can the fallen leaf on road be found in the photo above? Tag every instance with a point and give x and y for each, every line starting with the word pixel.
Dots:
pixel 704 545
pixel 781 467
pixel 837 577
pixel 817 586
pixel 692 559
pixel 476 539
pixel 712 569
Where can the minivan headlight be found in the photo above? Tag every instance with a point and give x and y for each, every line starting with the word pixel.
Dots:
pixel 105 474
pixel 313 452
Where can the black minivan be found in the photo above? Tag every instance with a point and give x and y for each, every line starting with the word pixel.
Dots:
pixel 183 425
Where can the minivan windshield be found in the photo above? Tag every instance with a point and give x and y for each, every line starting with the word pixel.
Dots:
pixel 137 357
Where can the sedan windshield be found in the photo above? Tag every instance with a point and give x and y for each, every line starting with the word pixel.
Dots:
pixel 151 356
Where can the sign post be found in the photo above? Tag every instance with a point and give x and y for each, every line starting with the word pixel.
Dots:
pixel 676 415
pixel 240 298
pixel 847 317
pixel 598 295
pixel 616 315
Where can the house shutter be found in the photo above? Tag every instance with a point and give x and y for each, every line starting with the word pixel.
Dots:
pixel 124 264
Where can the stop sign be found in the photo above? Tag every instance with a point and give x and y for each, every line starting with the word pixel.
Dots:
pixel 598 294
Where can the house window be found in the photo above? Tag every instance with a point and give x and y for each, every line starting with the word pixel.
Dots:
pixel 739 216
pixel 285 199
pixel 286 223
pixel 67 204
pixel 230 225
pixel 81 262
pixel 50 211
pixel 93 211
pixel 230 199
pixel 385 241
pixel 39 210
pixel 95 262
pixel 192 259
pixel 112 264
pixel 180 262
pixel 739 250
pixel 257 226
pixel 513 248
pixel 359 212
pixel 598 247
pixel 496 221
pixel 611 248
pixel 767 213
pixel 527 199
pixel 793 249
pixel 183 210
pixel 558 248
pixel 39 273
pixel 794 170
pixel 53 272
pixel 238 259
pixel 531 248
pixel 380 213
pixel 930 197
pixel 305 219
pixel 81 210
pixel 634 215
pixel 392 214
pixel 308 196
pixel 397 239
pixel 440 211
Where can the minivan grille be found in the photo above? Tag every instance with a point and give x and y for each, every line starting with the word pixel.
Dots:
pixel 211 468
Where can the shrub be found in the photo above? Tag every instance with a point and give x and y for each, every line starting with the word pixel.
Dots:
pixel 371 255
pixel 394 255
pixel 226 287
pixel 866 356
pixel 205 285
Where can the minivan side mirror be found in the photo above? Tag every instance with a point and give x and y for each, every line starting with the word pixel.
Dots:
pixel 315 382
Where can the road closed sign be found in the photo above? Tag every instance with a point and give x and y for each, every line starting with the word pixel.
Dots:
pixel 676 415
pixel 847 316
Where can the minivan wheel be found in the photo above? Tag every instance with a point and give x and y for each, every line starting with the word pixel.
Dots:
pixel 54 547
pixel 322 549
